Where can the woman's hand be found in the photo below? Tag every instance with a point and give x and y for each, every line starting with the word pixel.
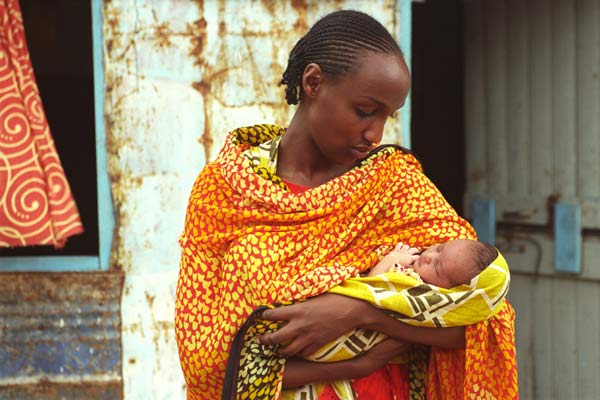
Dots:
pixel 445 338
pixel 299 372
pixel 314 323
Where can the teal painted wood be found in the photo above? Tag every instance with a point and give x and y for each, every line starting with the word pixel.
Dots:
pixel 405 35
pixel 106 219
pixel 49 263
pixel 567 237
pixel 105 205
pixel 483 218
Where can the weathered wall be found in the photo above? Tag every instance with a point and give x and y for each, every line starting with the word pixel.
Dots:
pixel 533 138
pixel 179 75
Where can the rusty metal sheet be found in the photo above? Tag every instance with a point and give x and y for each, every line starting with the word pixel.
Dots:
pixel 60 331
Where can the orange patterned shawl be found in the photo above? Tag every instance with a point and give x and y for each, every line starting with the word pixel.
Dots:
pixel 248 242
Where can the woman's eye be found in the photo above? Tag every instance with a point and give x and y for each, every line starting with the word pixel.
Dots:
pixel 364 113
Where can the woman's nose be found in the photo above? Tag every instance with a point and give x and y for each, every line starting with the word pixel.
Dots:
pixel 374 133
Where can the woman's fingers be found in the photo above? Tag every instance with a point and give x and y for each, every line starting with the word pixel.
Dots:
pixel 277 314
pixel 291 340
pixel 286 333
pixel 298 346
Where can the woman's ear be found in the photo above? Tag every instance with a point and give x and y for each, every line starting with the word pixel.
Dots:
pixel 312 79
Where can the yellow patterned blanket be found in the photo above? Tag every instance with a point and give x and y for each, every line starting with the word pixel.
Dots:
pixel 420 304
pixel 248 242
pixel 416 303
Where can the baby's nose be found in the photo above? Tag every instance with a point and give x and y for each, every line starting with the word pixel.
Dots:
pixel 430 257
pixel 425 258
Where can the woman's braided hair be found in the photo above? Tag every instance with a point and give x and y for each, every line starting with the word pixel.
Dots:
pixel 334 42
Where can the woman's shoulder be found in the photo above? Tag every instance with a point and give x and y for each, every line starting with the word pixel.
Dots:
pixel 254 135
pixel 391 153
pixel 391 146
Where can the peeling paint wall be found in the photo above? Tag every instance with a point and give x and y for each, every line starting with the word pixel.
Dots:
pixel 180 75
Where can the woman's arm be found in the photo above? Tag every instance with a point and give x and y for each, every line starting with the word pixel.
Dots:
pixel 299 372
pixel 316 322
pixel 448 338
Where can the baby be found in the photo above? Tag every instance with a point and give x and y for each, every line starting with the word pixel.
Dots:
pixel 444 265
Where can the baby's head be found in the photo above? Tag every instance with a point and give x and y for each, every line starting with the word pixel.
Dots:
pixel 455 262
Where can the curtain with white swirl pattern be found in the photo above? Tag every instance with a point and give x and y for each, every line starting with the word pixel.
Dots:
pixel 36 204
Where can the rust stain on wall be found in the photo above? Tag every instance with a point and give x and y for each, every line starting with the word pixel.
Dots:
pixel 197 34
pixel 215 77
pixel 110 21
pixel 270 5
pixel 301 7
pixel 149 299
pixel 162 34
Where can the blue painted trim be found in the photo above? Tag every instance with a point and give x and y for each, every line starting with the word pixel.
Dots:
pixel 106 219
pixel 49 263
pixel 483 218
pixel 405 35
pixel 567 237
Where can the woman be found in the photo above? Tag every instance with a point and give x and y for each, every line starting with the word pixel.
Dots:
pixel 285 215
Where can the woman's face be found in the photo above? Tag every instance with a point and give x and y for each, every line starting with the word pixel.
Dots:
pixel 347 114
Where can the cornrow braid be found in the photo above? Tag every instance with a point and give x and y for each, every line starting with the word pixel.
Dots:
pixel 334 42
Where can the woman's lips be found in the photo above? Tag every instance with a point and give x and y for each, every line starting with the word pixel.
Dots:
pixel 361 151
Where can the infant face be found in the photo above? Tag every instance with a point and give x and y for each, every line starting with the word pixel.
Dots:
pixel 448 264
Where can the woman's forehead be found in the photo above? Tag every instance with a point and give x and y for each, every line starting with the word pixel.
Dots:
pixel 379 77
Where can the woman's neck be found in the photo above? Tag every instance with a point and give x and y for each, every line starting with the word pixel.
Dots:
pixel 300 161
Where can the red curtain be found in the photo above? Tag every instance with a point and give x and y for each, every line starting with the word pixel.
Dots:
pixel 36 204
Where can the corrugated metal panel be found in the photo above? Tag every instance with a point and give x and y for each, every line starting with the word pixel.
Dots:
pixel 558 346
pixel 588 100
pixel 60 328
pixel 532 95
pixel 179 75
pixel 532 106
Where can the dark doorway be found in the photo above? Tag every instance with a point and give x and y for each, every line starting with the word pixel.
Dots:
pixel 59 38
pixel 437 95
